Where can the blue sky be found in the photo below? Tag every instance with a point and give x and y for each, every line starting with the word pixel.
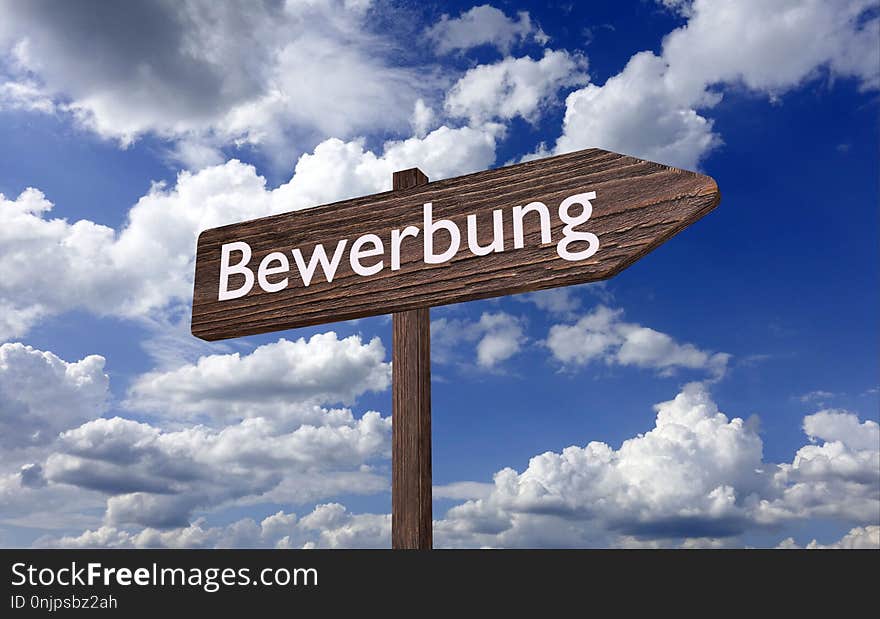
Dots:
pixel 765 309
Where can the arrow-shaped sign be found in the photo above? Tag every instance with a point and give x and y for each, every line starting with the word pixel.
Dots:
pixel 569 219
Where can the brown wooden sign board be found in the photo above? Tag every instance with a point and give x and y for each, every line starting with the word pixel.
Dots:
pixel 569 219
pixel 563 220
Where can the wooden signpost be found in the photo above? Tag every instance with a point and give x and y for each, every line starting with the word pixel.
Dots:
pixel 569 219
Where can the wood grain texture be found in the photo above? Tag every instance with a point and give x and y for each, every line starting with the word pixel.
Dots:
pixel 411 479
pixel 411 520
pixel 406 179
pixel 639 205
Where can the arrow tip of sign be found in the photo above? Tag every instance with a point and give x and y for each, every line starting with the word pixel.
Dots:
pixel 712 189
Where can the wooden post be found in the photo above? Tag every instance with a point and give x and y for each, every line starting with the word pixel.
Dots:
pixel 411 519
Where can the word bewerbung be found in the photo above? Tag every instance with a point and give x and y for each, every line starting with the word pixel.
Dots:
pixel 272 273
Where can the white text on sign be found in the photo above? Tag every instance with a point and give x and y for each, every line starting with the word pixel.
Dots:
pixel 367 252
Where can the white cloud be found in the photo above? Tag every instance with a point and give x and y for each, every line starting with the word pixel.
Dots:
pixel 329 525
pixel 263 74
pixel 497 337
pixel 284 380
pixel 696 472
pixel 463 490
pixel 42 395
pixel 837 478
pixel 816 396
pixel 653 108
pixel 772 48
pixel 28 505
pixel 63 463
pixel 102 270
pixel 334 526
pixel 483 25
pixel 858 538
pixel 423 119
pixel 840 425
pixel 692 473
pixel 196 154
pixel 159 478
pixel 602 335
pixel 556 301
pixel 636 113
pixel 696 479
pixel 566 301
pixel 24 95
pixel 515 86
pixel 501 339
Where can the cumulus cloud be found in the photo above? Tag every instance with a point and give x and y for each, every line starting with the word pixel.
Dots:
pixel 442 153
pixel 268 438
pixel 697 477
pixel 153 477
pixel 28 501
pixel 776 47
pixel 333 526
pixel 97 269
pixel 101 270
pixel 654 107
pixel 483 25
pixel 329 525
pixel 64 465
pixel 515 86
pixel 209 73
pixel 497 336
pixel 838 477
pixel 635 112
pixel 697 472
pixel 42 395
pixel 858 538
pixel 690 474
pixel 603 335
pixel 842 426
pixel 284 379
